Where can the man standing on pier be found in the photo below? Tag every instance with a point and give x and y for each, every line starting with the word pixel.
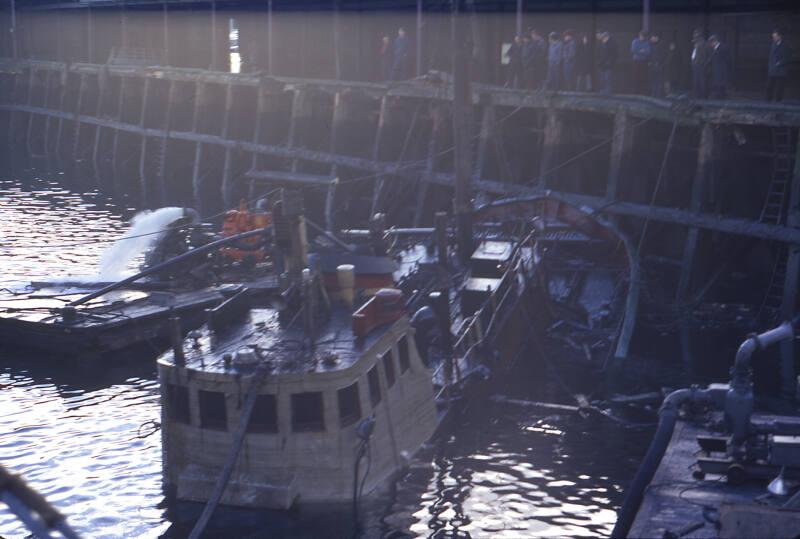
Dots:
pixel 554 63
pixel 385 58
pixel 535 60
pixel 569 57
pixel 779 56
pixel 606 60
pixel 658 58
pixel 583 64
pixel 641 51
pixel 516 73
pixel 721 67
pixel 699 63
pixel 400 56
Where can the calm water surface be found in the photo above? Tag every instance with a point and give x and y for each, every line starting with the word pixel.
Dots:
pixel 85 437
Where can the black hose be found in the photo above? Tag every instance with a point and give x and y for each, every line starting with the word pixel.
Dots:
pixel 633 498
pixel 244 246
pixel 158 267
pixel 359 455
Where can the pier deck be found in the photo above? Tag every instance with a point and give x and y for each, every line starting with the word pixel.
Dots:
pixel 677 505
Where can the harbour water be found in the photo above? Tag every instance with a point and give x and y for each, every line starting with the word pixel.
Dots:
pixel 87 438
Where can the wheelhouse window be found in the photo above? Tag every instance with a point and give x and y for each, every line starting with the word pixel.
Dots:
pixel 349 405
pixel 374 385
pixel 264 418
pixel 308 412
pixel 213 414
pixel 388 366
pixel 402 350
pixel 178 404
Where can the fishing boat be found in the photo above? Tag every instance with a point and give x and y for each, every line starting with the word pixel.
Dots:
pixel 325 394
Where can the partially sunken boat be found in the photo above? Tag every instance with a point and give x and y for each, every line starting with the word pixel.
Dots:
pixel 587 279
pixel 326 394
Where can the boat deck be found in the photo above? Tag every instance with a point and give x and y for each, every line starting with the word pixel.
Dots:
pixel 677 505
pixel 284 347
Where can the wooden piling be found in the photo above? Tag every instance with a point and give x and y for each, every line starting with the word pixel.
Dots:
pixel 61 107
pixel 197 178
pixel 228 187
pixel 76 154
pixel 553 129
pixel 11 122
pixel 301 110
pixel 621 144
pixel 116 171
pixel 48 120
pixel 788 308
pixel 29 131
pixel 705 155
pixel 255 159
pixel 379 184
pixel 486 134
pixel 144 187
pixel 163 143
pixel 102 82
pixel 434 143
pixel 340 114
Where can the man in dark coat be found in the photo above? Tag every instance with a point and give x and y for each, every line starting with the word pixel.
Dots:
pixel 658 58
pixel 779 57
pixel 400 56
pixel 606 62
pixel 554 63
pixel 516 72
pixel 583 65
pixel 675 68
pixel 721 68
pixel 535 60
pixel 640 55
pixel 569 58
pixel 385 58
pixel 699 65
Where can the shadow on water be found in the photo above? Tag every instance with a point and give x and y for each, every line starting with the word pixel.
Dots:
pixel 507 470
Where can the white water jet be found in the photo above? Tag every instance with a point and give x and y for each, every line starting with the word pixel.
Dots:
pixel 141 236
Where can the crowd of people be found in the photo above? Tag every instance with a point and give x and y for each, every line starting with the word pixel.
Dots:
pixel 563 61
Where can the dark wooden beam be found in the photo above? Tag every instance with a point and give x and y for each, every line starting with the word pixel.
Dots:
pixel 289 177
pixel 685 113
pixel 790 285
pixel 621 142
pixel 413 170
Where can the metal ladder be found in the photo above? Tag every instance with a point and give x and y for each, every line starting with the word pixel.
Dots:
pixel 774 210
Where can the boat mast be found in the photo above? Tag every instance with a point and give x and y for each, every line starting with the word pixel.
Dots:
pixel 462 105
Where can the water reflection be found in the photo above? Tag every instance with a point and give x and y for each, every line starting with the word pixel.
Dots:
pixel 47 231
pixel 508 472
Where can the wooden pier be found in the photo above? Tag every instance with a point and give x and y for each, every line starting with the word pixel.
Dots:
pixel 687 178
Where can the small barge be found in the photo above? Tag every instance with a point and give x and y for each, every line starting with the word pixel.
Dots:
pixel 716 467
pixel 186 273
pixel 326 394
